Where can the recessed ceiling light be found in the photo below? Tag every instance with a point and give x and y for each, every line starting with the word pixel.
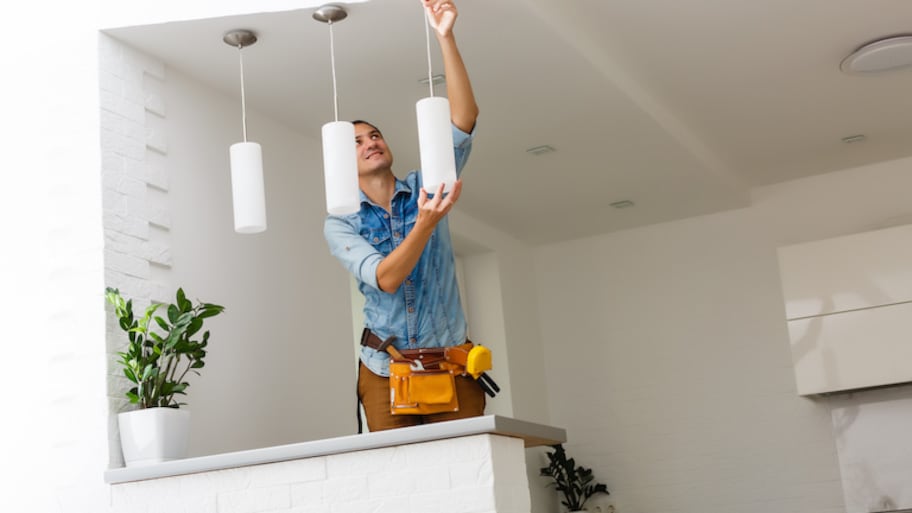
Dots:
pixel 854 138
pixel 438 79
pixel 886 54
pixel 540 150
pixel 621 204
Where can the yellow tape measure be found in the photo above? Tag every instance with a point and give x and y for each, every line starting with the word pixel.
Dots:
pixel 478 361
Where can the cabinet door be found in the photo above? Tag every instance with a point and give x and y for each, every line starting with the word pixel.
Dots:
pixel 847 273
pixel 848 303
pixel 849 350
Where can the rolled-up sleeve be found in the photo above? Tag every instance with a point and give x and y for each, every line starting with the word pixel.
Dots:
pixel 462 147
pixel 356 254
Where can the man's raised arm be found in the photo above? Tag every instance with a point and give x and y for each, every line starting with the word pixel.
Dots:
pixel 463 109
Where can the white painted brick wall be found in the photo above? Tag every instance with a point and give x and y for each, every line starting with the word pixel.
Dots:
pixel 473 474
pixel 134 194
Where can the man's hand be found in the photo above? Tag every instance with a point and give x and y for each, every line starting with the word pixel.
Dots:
pixel 431 211
pixel 399 263
pixel 442 15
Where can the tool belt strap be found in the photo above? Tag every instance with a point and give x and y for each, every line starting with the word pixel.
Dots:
pixel 371 340
pixel 430 357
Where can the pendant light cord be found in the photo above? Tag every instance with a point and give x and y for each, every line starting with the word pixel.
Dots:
pixel 332 59
pixel 427 37
pixel 243 99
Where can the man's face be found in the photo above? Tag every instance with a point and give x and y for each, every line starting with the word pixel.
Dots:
pixel 373 153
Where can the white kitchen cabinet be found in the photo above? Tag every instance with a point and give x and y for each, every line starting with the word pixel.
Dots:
pixel 848 303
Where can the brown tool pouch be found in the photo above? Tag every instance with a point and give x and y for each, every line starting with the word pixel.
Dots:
pixel 421 392
pixel 423 381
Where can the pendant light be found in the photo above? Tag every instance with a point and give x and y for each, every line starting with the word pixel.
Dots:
pixel 435 134
pixel 247 189
pixel 340 161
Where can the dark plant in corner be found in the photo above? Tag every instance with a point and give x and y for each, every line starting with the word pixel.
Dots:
pixel 572 481
pixel 157 363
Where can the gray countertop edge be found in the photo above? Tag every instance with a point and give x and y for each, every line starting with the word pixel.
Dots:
pixel 533 435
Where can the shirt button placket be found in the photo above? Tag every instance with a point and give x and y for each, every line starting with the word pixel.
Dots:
pixel 411 318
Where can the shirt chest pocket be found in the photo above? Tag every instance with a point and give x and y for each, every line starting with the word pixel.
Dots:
pixel 379 239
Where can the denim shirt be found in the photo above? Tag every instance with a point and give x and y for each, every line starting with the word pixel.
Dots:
pixel 425 311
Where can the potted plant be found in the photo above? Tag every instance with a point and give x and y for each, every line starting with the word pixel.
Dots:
pixel 157 362
pixel 575 483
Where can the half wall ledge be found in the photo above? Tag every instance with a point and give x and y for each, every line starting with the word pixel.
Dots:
pixel 532 434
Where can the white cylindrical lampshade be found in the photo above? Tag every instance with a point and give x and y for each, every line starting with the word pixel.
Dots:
pixel 435 143
pixel 340 168
pixel 247 189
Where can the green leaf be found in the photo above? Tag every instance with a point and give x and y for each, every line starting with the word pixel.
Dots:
pixel 184 319
pixel 151 310
pixel 194 326
pixel 173 313
pixel 161 323
pixel 211 311
pixel 182 302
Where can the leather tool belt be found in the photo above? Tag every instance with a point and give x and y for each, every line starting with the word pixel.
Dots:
pixel 422 381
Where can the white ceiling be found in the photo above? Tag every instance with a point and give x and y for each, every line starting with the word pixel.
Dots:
pixel 680 106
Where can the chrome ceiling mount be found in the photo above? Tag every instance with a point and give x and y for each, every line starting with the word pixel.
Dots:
pixel 239 38
pixel 330 13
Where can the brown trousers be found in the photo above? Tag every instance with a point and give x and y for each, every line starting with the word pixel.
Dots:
pixel 374 392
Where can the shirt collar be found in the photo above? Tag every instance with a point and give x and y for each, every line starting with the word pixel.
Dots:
pixel 401 187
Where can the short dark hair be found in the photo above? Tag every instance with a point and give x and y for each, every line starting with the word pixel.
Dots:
pixel 362 122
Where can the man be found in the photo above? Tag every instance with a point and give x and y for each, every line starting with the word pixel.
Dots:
pixel 398 248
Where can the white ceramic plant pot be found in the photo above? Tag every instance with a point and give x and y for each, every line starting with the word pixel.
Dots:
pixel 153 435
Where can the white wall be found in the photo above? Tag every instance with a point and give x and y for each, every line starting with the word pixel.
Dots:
pixel 667 353
pixel 484 312
pixel 54 442
pixel 467 474
pixel 502 301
